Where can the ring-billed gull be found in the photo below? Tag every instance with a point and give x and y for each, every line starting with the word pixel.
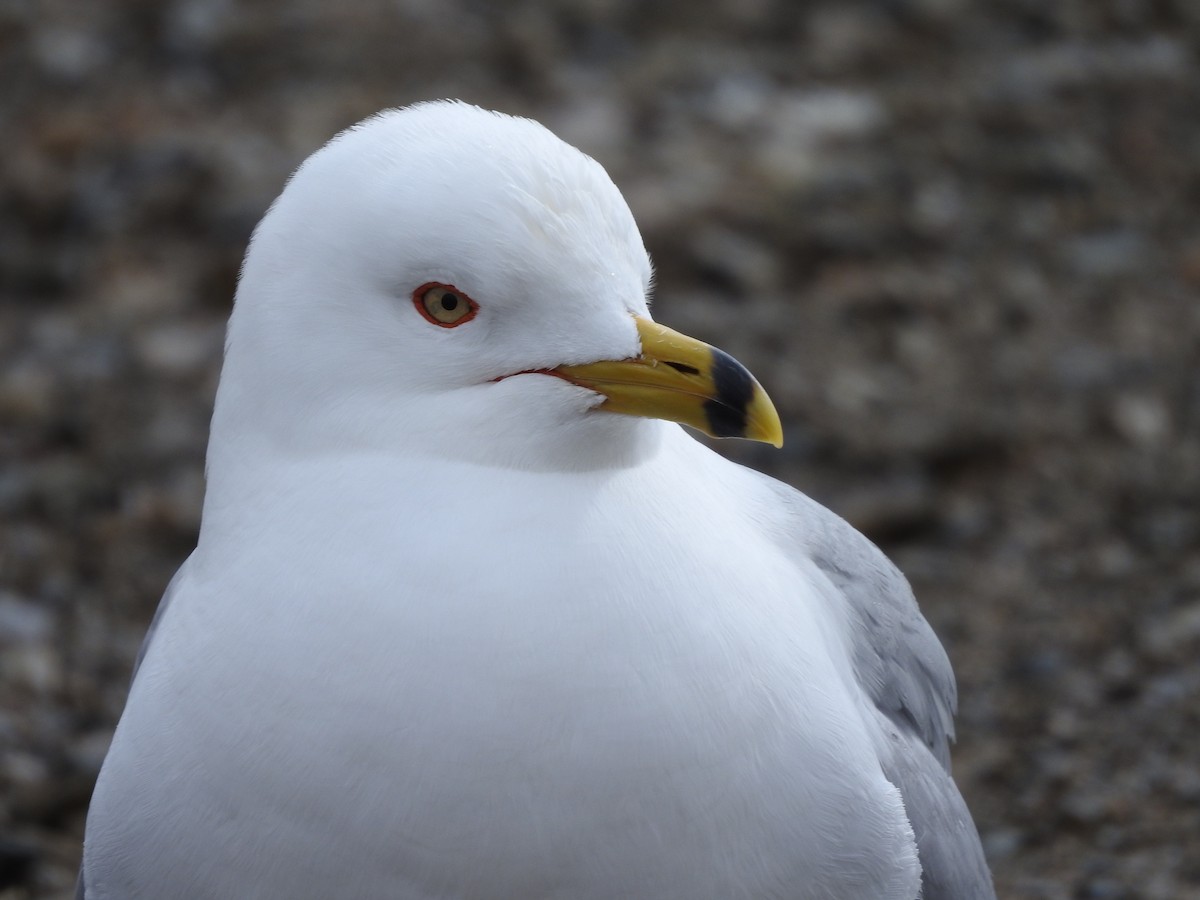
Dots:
pixel 471 616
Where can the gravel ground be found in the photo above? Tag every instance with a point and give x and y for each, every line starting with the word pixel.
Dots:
pixel 957 240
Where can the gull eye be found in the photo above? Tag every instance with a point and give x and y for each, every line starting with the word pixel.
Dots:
pixel 444 304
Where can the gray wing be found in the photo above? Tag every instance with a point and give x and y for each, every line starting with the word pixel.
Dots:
pixel 172 585
pixel 903 668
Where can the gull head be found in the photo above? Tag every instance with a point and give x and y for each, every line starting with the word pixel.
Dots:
pixel 444 279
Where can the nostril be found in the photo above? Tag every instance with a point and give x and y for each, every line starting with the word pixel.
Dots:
pixel 682 367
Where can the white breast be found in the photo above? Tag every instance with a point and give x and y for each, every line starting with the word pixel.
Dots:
pixel 465 715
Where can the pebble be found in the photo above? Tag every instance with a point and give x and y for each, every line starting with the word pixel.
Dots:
pixel 180 349
pixel 23 621
pixel 1142 419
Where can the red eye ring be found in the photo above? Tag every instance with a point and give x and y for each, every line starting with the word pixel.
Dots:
pixel 444 305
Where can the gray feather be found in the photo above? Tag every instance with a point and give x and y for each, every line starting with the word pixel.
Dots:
pixel 952 862
pixel 904 669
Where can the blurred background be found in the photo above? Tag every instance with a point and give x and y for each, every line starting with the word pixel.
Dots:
pixel 957 240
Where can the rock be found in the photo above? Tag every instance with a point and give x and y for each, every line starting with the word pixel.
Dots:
pixel 1141 419
pixel 22 621
pixel 179 349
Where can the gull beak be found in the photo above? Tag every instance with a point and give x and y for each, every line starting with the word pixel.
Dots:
pixel 684 380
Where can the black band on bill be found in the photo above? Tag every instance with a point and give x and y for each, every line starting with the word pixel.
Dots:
pixel 726 413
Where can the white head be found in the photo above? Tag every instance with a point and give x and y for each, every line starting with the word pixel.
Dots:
pixel 333 348
pixel 327 349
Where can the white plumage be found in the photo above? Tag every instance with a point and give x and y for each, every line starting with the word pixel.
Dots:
pixel 453 631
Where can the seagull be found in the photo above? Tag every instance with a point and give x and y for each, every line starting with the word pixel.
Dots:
pixel 472 617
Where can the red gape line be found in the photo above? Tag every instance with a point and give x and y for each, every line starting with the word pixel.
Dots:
pixel 553 372
pixel 419 303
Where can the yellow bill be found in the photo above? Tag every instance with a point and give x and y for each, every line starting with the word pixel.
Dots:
pixel 684 380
